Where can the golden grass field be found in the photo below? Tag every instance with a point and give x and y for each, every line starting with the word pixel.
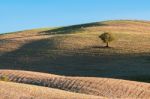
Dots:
pixel 77 53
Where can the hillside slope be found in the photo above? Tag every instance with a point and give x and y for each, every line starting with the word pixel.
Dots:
pixel 77 50
pixel 103 87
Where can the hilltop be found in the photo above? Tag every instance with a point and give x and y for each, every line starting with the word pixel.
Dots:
pixel 77 51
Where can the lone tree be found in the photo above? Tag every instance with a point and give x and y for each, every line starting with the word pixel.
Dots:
pixel 106 38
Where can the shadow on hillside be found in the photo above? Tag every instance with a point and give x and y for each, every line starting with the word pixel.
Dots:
pixel 71 29
pixel 39 56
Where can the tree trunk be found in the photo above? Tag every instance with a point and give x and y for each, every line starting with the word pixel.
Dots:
pixel 107 45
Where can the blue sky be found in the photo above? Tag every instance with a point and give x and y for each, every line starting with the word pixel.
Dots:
pixel 27 14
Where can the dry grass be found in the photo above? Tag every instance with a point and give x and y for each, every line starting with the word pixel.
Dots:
pixel 104 87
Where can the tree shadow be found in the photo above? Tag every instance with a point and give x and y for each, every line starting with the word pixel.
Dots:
pixel 39 56
pixel 102 47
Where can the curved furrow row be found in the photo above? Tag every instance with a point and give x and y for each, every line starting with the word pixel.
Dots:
pixel 88 85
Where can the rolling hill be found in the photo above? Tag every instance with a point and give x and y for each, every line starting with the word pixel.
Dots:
pixel 77 51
